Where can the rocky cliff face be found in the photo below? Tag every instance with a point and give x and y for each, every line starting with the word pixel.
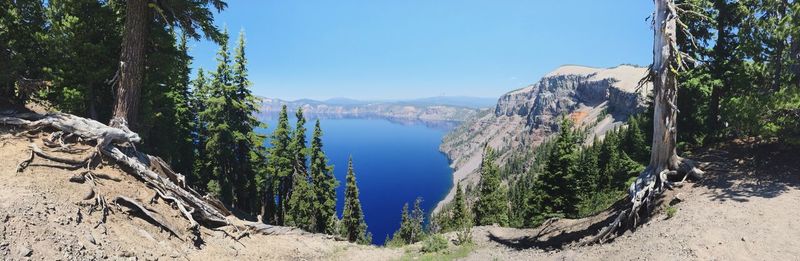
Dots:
pixel 594 98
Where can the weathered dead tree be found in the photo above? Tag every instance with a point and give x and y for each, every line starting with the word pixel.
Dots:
pixel 665 164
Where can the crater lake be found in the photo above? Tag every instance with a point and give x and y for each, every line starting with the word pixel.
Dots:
pixel 394 161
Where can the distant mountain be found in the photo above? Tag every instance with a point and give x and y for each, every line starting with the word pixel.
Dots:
pixel 458 101
pixel 344 101
pixel 434 109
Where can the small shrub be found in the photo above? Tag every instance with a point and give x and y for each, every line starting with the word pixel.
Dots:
pixel 464 236
pixel 671 211
pixel 434 243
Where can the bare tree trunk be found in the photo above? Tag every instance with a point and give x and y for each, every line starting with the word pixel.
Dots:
pixel 132 60
pixel 664 160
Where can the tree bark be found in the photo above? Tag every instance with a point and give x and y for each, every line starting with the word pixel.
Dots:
pixel 132 61
pixel 664 159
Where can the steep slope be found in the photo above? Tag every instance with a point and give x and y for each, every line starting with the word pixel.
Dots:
pixel 594 98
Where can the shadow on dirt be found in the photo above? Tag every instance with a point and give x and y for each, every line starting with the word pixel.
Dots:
pixel 736 171
pixel 742 170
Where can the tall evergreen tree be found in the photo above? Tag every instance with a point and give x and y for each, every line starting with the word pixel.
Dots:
pixel 232 143
pixel 302 199
pixel 201 172
pixel 298 144
pixel 248 142
pixel 354 228
pixel 324 184
pixel 300 208
pixel 460 217
pixel 280 166
pixel 556 184
pixel 190 16
pixel 491 207
pixel 219 146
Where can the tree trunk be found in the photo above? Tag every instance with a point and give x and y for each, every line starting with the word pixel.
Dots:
pixel 664 160
pixel 132 60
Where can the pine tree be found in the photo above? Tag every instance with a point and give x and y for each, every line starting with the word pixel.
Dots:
pixel 402 233
pixel 280 166
pixel 460 217
pixel 417 220
pixel 491 207
pixel 634 143
pixel 324 184
pixel 183 157
pixel 556 184
pixel 220 146
pixel 411 230
pixel 354 228
pixel 300 212
pixel 298 144
pixel 232 147
pixel 192 17
pixel 201 172
pixel 78 68
pixel 243 119
pixel 22 51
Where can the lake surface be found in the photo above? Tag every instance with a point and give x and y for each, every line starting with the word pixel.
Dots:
pixel 395 162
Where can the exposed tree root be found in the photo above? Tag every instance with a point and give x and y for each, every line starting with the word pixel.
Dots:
pixel 642 196
pixel 264 229
pixel 71 163
pixel 117 144
pixel 154 217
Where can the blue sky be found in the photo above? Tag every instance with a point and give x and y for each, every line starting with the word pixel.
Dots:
pixel 399 49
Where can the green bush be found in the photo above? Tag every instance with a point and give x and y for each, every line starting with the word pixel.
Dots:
pixel 671 211
pixel 434 243
pixel 464 235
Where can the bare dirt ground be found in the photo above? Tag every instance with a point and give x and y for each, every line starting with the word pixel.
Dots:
pixel 745 209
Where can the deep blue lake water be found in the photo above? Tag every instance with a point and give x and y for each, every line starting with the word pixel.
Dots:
pixel 394 163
